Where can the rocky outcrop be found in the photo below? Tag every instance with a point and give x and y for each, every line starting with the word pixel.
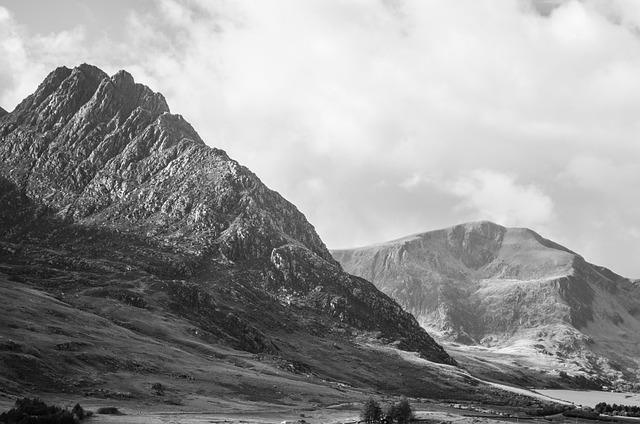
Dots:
pixel 102 150
pixel 324 286
pixel 99 178
pixel 484 284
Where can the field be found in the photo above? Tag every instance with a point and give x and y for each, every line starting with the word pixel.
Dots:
pixel 202 410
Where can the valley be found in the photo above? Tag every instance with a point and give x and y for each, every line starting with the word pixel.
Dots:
pixel 141 268
pixel 139 265
pixel 203 412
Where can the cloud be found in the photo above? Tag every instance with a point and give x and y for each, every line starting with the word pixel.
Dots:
pixel 603 175
pixel 384 118
pixel 497 197
pixel 27 59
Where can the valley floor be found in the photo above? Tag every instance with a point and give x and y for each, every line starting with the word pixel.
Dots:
pixel 312 418
pixel 199 411
pixel 343 413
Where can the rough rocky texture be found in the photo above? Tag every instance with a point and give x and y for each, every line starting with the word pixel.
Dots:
pixel 105 151
pixel 484 284
pixel 107 195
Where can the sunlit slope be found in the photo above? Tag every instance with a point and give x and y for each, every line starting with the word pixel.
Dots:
pixel 484 284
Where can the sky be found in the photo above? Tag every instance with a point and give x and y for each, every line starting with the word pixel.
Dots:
pixel 384 118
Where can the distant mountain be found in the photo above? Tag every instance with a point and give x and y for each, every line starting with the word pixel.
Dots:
pixel 2 112
pixel 510 290
pixel 114 210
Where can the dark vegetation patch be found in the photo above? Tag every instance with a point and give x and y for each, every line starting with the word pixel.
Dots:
pixel 35 411
pixel 157 389
pixel 547 410
pixel 108 394
pixel 108 410
pixel 586 414
pixel 582 382
pixel 620 410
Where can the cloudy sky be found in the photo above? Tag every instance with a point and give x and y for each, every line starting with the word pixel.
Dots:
pixel 383 118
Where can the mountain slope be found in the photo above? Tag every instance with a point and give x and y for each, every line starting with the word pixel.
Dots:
pixel 116 207
pixel 509 289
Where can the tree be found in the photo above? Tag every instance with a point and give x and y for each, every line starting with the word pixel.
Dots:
pixel 601 408
pixel 400 412
pixel 371 411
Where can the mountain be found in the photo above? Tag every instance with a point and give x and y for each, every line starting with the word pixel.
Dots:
pixel 129 248
pixel 2 112
pixel 511 291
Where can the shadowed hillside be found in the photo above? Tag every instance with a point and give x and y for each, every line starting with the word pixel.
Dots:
pixel 132 252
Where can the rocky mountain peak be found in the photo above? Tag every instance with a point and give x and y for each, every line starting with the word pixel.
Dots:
pixel 481 283
pixel 2 112
pixel 476 243
pixel 106 150
pixel 89 92
pixel 123 93
pixel 96 169
pixel 57 97
pixel 81 125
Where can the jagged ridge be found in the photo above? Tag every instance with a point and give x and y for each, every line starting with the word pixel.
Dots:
pixel 101 180
pixel 107 151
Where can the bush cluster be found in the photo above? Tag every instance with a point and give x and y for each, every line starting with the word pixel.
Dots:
pixel 579 413
pixel 625 410
pixel 35 411
pixel 400 412
pixel 397 412
pixel 547 410
pixel 106 410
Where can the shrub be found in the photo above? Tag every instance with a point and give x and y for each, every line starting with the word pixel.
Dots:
pixel 400 412
pixel 158 389
pixel 35 406
pixel 35 411
pixel 625 410
pixel 547 410
pixel 577 413
pixel 79 412
pixel 108 410
pixel 371 411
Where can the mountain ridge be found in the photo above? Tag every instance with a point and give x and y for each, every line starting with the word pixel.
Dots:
pixel 107 158
pixel 482 284
pixel 117 208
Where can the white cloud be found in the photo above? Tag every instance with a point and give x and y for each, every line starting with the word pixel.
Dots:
pixel 373 117
pixel 413 181
pixel 601 174
pixel 497 197
pixel 27 59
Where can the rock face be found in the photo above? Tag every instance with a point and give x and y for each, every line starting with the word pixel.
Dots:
pixel 484 284
pixel 107 194
pixel 105 151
